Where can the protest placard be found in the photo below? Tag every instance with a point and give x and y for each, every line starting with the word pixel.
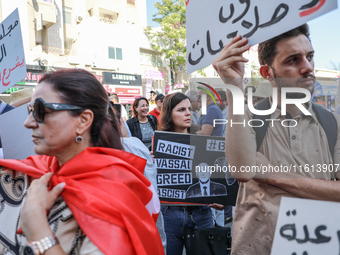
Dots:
pixel 212 24
pixel 16 139
pixel 12 57
pixel 193 169
pixel 307 227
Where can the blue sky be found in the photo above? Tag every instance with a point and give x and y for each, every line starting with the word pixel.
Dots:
pixel 325 35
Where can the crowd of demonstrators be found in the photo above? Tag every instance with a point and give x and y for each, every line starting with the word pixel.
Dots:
pixel 92 187
pixel 176 117
pixel 286 61
pixel 142 125
pixel 159 102
pixel 81 157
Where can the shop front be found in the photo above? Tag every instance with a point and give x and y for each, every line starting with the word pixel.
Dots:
pixel 126 86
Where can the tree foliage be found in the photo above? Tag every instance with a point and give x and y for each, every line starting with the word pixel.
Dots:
pixel 170 38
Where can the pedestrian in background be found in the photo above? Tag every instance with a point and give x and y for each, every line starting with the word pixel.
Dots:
pixel 142 125
pixel 159 102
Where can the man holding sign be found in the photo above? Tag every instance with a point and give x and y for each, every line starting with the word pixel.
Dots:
pixel 297 149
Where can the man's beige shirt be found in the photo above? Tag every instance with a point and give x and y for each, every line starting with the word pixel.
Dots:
pixel 257 204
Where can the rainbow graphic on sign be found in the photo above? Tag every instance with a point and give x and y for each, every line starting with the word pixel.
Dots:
pixel 209 93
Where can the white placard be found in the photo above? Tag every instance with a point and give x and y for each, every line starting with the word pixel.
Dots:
pixel 16 139
pixel 12 57
pixel 307 227
pixel 211 24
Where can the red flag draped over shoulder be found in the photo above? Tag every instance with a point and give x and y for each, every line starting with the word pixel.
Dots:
pixel 105 189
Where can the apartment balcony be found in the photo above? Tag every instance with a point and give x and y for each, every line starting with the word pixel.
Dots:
pixel 103 7
pixel 47 9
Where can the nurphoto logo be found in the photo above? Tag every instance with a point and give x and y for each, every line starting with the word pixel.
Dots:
pixel 238 104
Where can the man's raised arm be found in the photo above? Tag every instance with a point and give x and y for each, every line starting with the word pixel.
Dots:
pixel 240 141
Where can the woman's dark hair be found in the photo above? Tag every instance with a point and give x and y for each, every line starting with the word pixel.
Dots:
pixel 169 103
pixel 136 103
pixel 81 88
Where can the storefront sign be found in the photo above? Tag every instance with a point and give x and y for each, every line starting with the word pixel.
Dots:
pixel 34 77
pixel 154 75
pixel 179 86
pixel 148 88
pixel 122 79
pixel 127 91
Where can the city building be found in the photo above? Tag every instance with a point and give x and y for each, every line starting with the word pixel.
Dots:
pixel 105 37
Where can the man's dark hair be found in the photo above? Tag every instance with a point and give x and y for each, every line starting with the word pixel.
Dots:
pixel 267 50
pixel 222 95
pixel 115 97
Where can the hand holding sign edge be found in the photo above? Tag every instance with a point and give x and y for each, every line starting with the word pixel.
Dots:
pixel 230 63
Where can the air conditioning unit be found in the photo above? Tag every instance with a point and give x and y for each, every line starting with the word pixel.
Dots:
pixel 79 18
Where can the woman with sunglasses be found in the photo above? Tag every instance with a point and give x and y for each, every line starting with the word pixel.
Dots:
pixel 88 196
pixel 142 125
pixel 176 117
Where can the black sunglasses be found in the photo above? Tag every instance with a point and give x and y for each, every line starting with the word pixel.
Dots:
pixel 39 106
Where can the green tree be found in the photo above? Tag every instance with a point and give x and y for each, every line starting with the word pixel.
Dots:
pixel 170 38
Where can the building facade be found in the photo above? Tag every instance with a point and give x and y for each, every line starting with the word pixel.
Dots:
pixel 105 37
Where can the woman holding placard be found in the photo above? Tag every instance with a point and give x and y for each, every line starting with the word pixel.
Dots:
pixel 176 117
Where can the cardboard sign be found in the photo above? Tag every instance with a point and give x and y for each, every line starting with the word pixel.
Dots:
pixel 307 227
pixel 212 24
pixel 16 139
pixel 192 170
pixel 12 57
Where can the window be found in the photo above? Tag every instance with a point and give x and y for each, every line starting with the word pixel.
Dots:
pixel 67 15
pixel 119 53
pixel 115 53
pixel 112 54
pixel 150 58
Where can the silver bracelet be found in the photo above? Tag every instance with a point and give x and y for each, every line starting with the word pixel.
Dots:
pixel 40 247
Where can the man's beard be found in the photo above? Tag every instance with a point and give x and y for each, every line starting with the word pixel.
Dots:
pixel 283 82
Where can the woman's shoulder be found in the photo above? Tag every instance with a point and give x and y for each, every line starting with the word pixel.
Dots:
pixel 132 120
